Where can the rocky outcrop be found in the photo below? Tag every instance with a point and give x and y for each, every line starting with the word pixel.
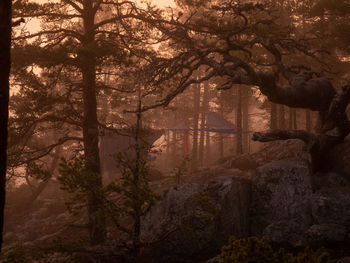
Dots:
pixel 339 157
pixel 292 206
pixel 193 221
pixel 280 207
pixel 271 152
pixel 331 206
pixel 326 233
pixel 344 260
pixel 282 200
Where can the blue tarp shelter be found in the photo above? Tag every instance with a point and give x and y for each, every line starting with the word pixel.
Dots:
pixel 214 123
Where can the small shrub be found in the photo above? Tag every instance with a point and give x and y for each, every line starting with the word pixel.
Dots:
pixel 255 250
pixel 56 251
pixel 205 202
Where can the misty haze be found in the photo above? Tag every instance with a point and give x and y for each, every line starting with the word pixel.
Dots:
pixel 185 131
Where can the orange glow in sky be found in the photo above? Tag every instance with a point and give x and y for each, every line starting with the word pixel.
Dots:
pixel 161 3
pixel 33 25
pixel 164 3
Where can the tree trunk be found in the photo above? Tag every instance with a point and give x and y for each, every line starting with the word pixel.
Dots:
pixel 174 144
pixel 167 139
pixel 90 128
pixel 281 117
pixel 295 124
pixel 137 196
pixel 26 205
pixel 273 116
pixel 335 127
pixel 204 109
pixel 239 147
pixel 307 120
pixel 245 115
pixel 221 137
pixel 5 64
pixel 292 122
pixel 207 146
pixel 196 101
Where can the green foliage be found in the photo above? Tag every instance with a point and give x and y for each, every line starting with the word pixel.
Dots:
pixel 205 202
pixel 256 250
pixel 21 254
pixel 181 169
pixel 78 181
pixel 38 171
pixel 133 184
pixel 134 194
pixel 44 252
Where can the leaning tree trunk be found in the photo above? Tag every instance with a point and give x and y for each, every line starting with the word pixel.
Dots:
pixel 335 127
pixel 27 204
pixel 5 45
pixel 90 129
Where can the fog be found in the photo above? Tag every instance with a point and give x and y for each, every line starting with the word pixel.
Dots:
pixel 158 131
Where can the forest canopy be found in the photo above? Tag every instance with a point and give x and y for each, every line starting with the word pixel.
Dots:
pixel 209 79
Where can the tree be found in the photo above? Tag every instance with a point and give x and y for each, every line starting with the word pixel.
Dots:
pixel 258 52
pixel 79 40
pixel 126 199
pixel 239 145
pixel 196 108
pixel 204 109
pixel 5 64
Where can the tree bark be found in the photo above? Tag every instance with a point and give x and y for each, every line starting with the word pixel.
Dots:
pixel 308 120
pixel 174 145
pixel 196 102
pixel 5 64
pixel 281 119
pixel 204 109
pixel 221 137
pixel 90 128
pixel 208 147
pixel 292 119
pixel 245 118
pixel 40 188
pixel 239 147
pixel 273 116
pixel 295 123
pixel 335 128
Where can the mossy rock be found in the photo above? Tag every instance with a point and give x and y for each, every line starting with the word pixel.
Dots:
pixel 259 250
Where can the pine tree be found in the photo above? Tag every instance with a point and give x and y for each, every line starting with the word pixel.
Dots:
pixel 5 44
pixel 78 41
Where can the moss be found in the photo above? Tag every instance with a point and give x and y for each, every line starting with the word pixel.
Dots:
pixel 205 202
pixel 256 250
pixel 56 251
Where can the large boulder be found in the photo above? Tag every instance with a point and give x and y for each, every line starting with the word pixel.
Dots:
pixel 282 200
pixel 280 207
pixel 339 157
pixel 332 206
pixel 326 234
pixel 290 205
pixel 193 221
